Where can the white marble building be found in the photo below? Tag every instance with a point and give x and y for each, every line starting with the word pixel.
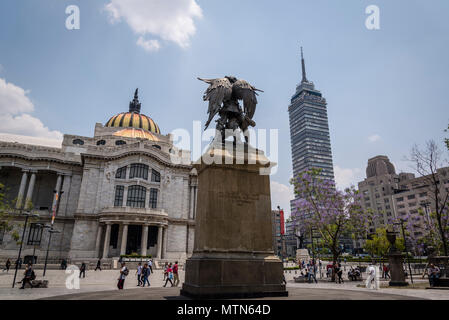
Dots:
pixel 119 193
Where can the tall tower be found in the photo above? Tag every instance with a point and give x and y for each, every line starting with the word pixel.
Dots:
pixel 309 130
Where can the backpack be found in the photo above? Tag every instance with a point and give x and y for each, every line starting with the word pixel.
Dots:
pixel 33 275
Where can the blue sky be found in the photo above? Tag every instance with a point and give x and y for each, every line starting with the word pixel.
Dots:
pixel 386 89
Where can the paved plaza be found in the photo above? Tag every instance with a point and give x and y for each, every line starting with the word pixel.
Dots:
pixel 102 285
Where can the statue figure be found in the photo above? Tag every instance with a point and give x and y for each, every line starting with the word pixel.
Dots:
pixel 223 95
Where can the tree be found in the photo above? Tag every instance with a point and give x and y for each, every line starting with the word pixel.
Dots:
pixel 6 208
pixel 428 164
pixel 377 244
pixel 327 211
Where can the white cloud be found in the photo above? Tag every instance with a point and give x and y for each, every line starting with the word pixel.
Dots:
pixel 374 138
pixel 345 177
pixel 49 142
pixel 15 119
pixel 281 195
pixel 149 45
pixel 171 20
pixel 13 99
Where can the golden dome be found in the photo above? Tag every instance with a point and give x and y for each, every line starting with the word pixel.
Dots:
pixel 136 133
pixel 133 118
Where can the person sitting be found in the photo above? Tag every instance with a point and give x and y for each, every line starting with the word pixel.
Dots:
pixel 434 274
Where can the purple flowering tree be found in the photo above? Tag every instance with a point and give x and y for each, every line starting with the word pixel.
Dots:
pixel 329 212
pixel 435 221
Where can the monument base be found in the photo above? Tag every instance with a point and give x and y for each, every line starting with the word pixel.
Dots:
pixel 221 278
pixel 397 284
pixel 302 255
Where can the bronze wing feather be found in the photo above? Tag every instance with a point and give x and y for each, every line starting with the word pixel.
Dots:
pixel 219 90
pixel 242 90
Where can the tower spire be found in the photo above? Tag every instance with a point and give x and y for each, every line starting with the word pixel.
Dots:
pixel 135 105
pixel 304 77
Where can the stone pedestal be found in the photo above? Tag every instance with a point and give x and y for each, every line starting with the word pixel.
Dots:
pixel 397 270
pixel 233 255
pixel 302 255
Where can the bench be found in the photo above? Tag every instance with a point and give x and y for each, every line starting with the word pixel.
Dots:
pixel 300 279
pixel 37 284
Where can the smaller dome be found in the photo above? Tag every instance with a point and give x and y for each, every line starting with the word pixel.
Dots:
pixel 136 133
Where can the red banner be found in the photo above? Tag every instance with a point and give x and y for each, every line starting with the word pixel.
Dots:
pixel 281 212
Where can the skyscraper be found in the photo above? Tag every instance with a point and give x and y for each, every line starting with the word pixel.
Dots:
pixel 309 130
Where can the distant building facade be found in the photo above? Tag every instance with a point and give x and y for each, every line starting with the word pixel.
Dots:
pixel 278 226
pixel 391 196
pixel 119 192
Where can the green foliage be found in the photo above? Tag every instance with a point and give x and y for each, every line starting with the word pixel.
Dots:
pixel 378 245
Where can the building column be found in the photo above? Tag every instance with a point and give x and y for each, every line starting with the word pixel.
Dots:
pixel 107 239
pixel 192 202
pixel 124 239
pixel 195 203
pixel 57 188
pixel 164 244
pixel 144 243
pixel 98 241
pixel 159 242
pixel 23 183
pixel 66 186
pixel 29 196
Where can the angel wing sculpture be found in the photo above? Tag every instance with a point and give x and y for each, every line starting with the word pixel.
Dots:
pixel 224 95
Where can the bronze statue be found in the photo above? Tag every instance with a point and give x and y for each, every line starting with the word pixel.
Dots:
pixel 223 95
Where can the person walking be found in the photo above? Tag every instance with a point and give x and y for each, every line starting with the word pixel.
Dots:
pixel 29 276
pixel 145 274
pixel 372 278
pixel 165 271
pixel 339 273
pixel 7 265
pixel 150 265
pixel 139 274
pixel 175 274
pixel 169 275
pixel 311 274
pixel 123 273
pixel 83 270
pixel 98 265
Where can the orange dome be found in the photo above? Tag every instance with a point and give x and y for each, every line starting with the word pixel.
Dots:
pixel 136 133
pixel 133 120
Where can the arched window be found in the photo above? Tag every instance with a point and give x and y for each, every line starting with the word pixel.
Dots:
pixel 78 141
pixel 155 176
pixel 138 170
pixel 120 142
pixel 101 142
pixel 121 173
pixel 156 146
pixel 136 197
pixel 153 199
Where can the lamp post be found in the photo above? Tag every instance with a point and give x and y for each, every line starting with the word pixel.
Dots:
pixel 27 215
pixel 51 231
pixel 313 252
pixel 405 246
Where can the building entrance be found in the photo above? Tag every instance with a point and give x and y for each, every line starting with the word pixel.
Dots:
pixel 134 239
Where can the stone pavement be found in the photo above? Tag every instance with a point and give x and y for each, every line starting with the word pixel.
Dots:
pixel 102 285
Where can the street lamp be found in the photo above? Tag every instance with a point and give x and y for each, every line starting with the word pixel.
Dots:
pixel 401 223
pixel 51 231
pixel 27 215
pixel 40 226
